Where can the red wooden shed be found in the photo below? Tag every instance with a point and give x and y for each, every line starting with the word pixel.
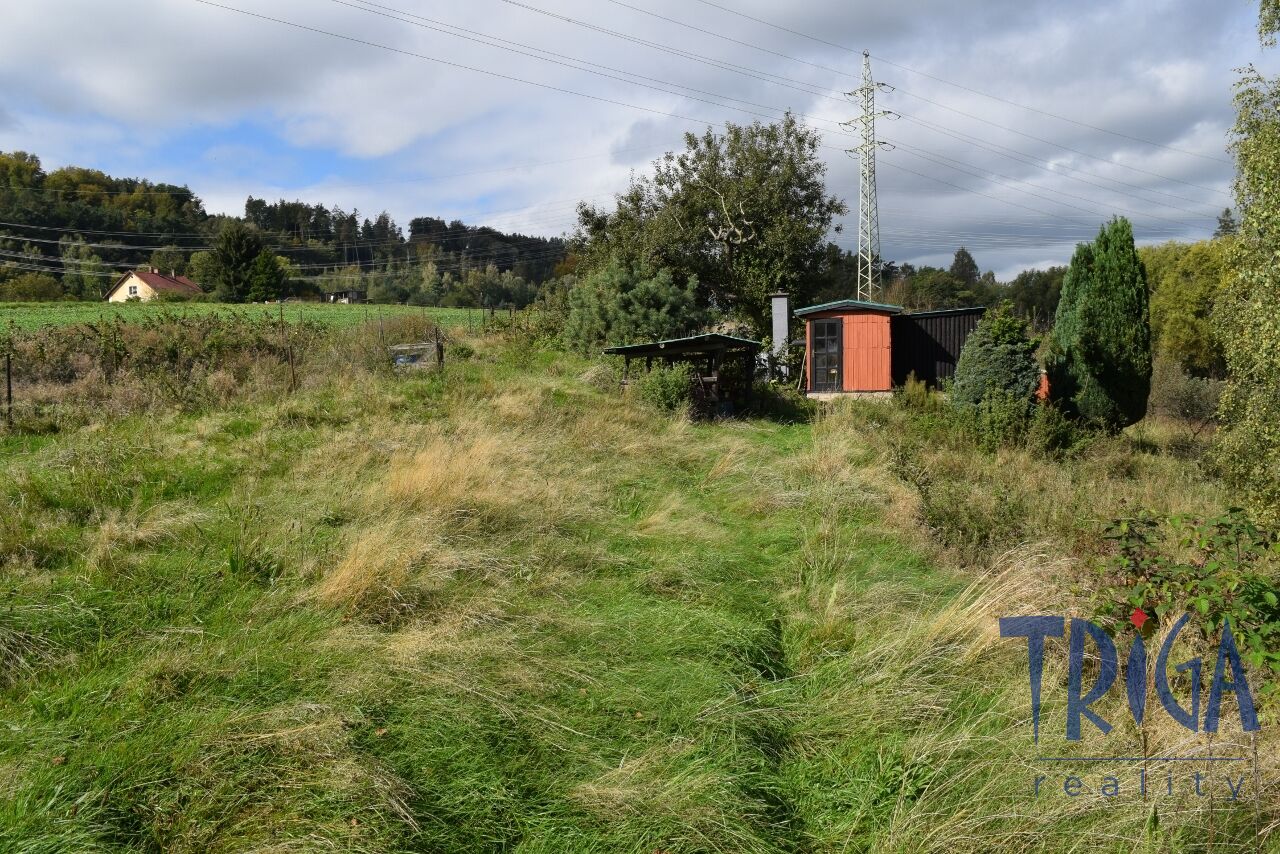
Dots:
pixel 848 346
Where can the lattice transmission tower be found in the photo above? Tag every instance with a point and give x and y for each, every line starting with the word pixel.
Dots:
pixel 870 288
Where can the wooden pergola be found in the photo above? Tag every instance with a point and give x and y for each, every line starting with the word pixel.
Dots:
pixel 709 354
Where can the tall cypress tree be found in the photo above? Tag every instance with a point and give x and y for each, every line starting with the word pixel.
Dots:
pixel 1099 359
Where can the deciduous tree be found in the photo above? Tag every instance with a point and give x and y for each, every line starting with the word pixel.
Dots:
pixel 1248 312
pixel 745 212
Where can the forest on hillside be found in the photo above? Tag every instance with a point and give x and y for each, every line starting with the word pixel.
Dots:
pixel 67 233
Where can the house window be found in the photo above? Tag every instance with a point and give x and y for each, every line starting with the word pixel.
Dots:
pixel 133 290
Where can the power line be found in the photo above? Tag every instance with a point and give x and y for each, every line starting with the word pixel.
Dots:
pixel 723 37
pixel 964 87
pixel 449 63
pixel 515 47
pixel 1030 160
pixel 723 65
pixel 1051 142
pixel 910 149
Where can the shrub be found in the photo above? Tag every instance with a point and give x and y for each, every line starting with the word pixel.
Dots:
pixel 1099 357
pixel 998 357
pixel 1050 432
pixel 916 396
pixel 1179 395
pixel 669 389
pixel 459 352
pixel 995 379
pixel 1222 568
pixel 31 287
pixel 1000 418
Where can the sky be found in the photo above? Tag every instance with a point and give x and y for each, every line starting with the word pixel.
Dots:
pixel 1013 127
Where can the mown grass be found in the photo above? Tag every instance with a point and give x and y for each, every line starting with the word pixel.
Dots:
pixel 36 315
pixel 498 609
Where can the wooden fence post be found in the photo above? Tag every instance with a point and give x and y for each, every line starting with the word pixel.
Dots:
pixel 8 389
pixel 287 345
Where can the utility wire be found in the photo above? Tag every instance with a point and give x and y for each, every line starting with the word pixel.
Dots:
pixel 964 87
pixel 581 64
pixel 1051 142
pixel 1059 170
pixel 723 65
pixel 910 149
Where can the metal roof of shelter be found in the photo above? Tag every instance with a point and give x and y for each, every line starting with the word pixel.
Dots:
pixel 849 304
pixel 943 312
pixel 680 346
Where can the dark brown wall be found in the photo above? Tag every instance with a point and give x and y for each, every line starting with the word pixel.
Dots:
pixel 929 343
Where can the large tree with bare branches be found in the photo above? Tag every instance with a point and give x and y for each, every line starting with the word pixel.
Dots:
pixel 746 212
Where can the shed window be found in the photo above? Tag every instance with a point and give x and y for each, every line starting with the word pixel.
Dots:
pixel 827 351
pixel 133 290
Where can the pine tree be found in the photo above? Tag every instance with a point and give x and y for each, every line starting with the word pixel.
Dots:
pixel 964 268
pixel 266 279
pixel 234 251
pixel 1227 225
pixel 1099 358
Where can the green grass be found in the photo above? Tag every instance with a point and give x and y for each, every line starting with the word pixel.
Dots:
pixel 496 610
pixel 35 315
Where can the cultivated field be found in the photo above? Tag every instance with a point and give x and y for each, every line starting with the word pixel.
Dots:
pixel 504 608
pixel 35 315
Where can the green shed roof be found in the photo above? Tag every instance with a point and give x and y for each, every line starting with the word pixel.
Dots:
pixel 851 304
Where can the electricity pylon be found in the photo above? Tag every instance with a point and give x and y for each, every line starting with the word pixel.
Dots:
pixel 870 288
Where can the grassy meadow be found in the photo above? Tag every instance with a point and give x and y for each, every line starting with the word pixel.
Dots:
pixel 35 315
pixel 504 608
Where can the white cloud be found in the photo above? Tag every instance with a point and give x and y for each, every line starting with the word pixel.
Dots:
pixel 114 85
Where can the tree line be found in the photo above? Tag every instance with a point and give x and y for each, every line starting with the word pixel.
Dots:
pixel 65 233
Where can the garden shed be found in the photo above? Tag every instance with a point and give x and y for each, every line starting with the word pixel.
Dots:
pixel 858 347
pixel 848 346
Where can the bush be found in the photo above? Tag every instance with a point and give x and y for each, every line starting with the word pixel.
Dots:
pixel 1245 312
pixel 914 395
pixel 1179 395
pixel 998 358
pixel 995 380
pixel 1050 431
pixel 31 287
pixel 669 389
pixel 1222 568
pixel 1001 418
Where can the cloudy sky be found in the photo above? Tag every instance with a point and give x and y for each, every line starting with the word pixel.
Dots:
pixel 1020 125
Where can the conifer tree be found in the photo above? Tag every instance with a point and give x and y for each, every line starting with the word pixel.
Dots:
pixel 998 358
pixel 1099 358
